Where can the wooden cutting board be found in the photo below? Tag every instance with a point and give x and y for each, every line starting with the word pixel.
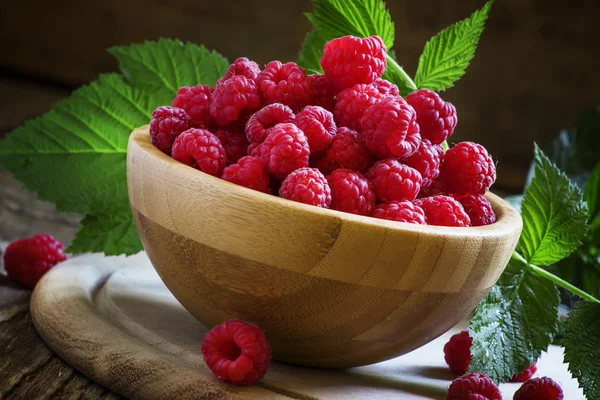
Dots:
pixel 113 319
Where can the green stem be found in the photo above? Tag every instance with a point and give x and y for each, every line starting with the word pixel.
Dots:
pixel 406 80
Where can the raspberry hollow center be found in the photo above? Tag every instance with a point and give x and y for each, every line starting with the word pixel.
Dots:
pixel 230 350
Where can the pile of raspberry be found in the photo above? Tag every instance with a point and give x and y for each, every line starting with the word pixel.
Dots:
pixel 344 140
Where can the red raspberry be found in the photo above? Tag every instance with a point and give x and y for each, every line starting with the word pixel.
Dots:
pixel 390 128
pixel 237 352
pixel 27 260
pixel 479 209
pixel 285 83
pixel 526 374
pixel 348 151
pixel 318 126
pixel 234 99
pixel 457 352
pixel 351 104
pixel 443 211
pixel 250 172
pixel 284 150
pixel 350 60
pixel 241 66
pixel 167 123
pixel 436 117
pixel 466 169
pixel 401 211
pixel 426 160
pixel 386 87
pixel 200 149
pixel 435 188
pixel 394 181
pixel 254 149
pixel 324 92
pixel 473 386
pixel 195 101
pixel 308 186
pixel 539 389
pixel 259 123
pixel 351 192
pixel 234 142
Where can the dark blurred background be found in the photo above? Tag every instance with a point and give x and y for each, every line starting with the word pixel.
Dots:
pixel 536 69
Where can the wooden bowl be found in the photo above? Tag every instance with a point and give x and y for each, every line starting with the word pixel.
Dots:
pixel 329 289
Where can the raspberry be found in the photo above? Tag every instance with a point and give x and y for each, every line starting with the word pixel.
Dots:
pixel 479 209
pixel 200 149
pixel 349 60
pixel 237 352
pixel 457 352
pixel 250 172
pixel 234 99
pixel 435 188
pixel 466 169
pixel 394 181
pixel 526 374
pixel 386 87
pixel 539 389
pixel 401 211
pixel 284 83
pixel 426 160
pixel 167 123
pixel 254 149
pixel 234 142
pixel 390 128
pixel 284 150
pixel 308 186
pixel 443 211
pixel 27 260
pixel 318 126
pixel 348 151
pixel 351 192
pixel 351 104
pixel 436 117
pixel 473 386
pixel 259 123
pixel 241 66
pixel 324 92
pixel 195 101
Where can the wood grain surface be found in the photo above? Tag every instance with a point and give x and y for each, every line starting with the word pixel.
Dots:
pixel 333 289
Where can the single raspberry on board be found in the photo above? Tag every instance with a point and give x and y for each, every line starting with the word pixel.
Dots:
pixel 539 389
pixel 241 66
pixel 443 211
pixel 390 128
pixel 466 169
pixel 351 192
pixel 349 60
pixel 267 117
pixel 426 160
pixel 195 101
pixel 200 149
pixel 27 260
pixel 526 374
pixel 308 186
pixel 351 104
pixel 457 352
pixel 234 99
pixel 473 386
pixel 284 150
pixel 348 151
pixel 318 125
pixel 237 352
pixel 436 117
pixel 250 172
pixel 386 87
pixel 324 91
pixel 166 124
pixel 394 181
pixel 234 142
pixel 286 84
pixel 479 209
pixel 401 211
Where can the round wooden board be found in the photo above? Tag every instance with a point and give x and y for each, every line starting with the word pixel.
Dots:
pixel 113 319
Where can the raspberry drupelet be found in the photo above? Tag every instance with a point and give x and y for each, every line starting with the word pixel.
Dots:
pixel 479 209
pixel 286 84
pixel 351 104
pixel 234 142
pixel 195 101
pixel 401 211
pixel 443 211
pixel 267 117
pixel 201 150
pixel 394 181
pixel 473 386
pixel 351 192
pixel 234 100
pixel 348 151
pixel 166 124
pixel 250 172
pixel 241 66
pixel 318 125
pixel 466 169
pixel 436 117
pixel 386 87
pixel 308 186
pixel 284 150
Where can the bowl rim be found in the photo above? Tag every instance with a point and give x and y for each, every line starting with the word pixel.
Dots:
pixel 507 217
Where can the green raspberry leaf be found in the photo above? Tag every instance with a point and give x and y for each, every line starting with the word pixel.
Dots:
pixel 591 195
pixel 514 323
pixel 554 214
pixel 311 52
pixel 448 54
pixel 582 347
pixel 170 64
